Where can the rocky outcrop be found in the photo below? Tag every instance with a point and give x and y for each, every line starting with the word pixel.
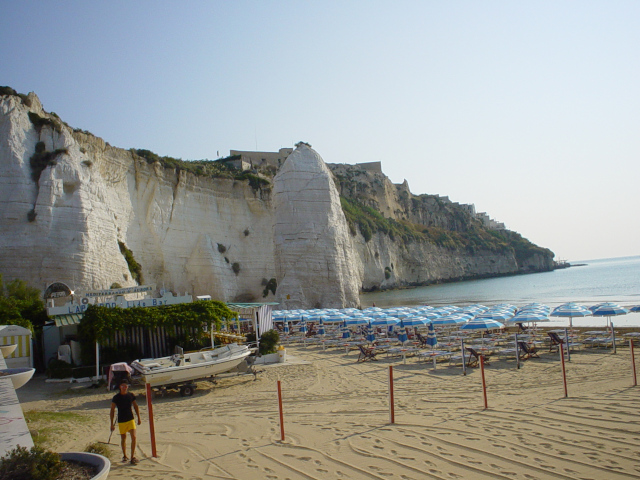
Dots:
pixel 313 247
pixel 70 205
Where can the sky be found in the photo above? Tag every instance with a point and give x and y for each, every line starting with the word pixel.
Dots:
pixel 529 110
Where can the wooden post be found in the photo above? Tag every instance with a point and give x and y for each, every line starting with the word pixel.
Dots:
pixel 281 412
pixel 152 430
pixel 564 372
pixel 484 384
pixel 392 413
pixel 633 362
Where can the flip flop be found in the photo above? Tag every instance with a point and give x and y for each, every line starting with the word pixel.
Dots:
pixel 134 461
pixel 125 459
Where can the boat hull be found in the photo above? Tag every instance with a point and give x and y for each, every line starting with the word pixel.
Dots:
pixel 192 366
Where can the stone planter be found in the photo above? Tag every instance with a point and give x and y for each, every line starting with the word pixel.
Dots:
pixel 102 464
pixel 18 376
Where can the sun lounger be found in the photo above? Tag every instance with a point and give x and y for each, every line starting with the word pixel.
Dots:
pixel 474 357
pixel 366 353
pixel 556 341
pixel 527 351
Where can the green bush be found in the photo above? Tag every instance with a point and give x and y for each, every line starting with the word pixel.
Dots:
pixel 34 464
pixel 59 369
pixel 268 342
pixel 236 268
pixel 99 449
pixel 134 267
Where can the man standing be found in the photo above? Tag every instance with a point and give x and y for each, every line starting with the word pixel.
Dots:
pixel 124 401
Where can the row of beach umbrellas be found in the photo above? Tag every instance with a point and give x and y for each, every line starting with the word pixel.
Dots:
pixel 466 318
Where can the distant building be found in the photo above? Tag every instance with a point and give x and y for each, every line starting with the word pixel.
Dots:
pixel 245 160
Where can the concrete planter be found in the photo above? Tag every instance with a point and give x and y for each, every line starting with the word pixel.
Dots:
pixel 18 376
pixel 8 349
pixel 101 463
pixel 268 358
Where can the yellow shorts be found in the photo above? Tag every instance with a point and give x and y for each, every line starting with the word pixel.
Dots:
pixel 126 426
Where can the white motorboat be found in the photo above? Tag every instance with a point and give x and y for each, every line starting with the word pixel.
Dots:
pixel 183 368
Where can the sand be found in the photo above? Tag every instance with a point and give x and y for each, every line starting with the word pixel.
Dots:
pixel 337 422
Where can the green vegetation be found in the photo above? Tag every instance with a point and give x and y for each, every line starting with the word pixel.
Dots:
pixel 4 90
pixel 522 247
pixel 370 221
pixel 101 323
pixel 34 464
pixel 387 273
pixel 269 286
pixel 21 305
pixel 40 122
pixel 42 159
pixel 236 268
pixel 221 248
pixel 268 341
pixel 45 427
pixel 98 449
pixel 134 267
pixel 207 168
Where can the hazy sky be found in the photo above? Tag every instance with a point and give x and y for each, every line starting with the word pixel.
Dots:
pixel 529 110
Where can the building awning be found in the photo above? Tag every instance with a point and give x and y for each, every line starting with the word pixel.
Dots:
pixel 68 319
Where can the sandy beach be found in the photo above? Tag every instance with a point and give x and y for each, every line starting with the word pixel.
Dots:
pixel 337 422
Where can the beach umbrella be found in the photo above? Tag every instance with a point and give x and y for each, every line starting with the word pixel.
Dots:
pixel 357 321
pixel 370 335
pixel 416 321
pixel 346 333
pixel 286 327
pixel 528 317
pixel 571 310
pixel 453 319
pixel 321 327
pixel 334 317
pixel 608 310
pixel 302 327
pixel 383 321
pixel 432 340
pixel 481 324
pixel 497 315
pixel 635 308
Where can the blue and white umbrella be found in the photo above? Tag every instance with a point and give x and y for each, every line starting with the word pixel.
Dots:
pixel 321 327
pixel 286 327
pixel 354 321
pixel 453 319
pixel 371 337
pixel 497 315
pixel 334 317
pixel 635 308
pixel 608 310
pixel 346 333
pixel 432 340
pixel 383 321
pixel 481 324
pixel 416 321
pixel 302 327
pixel 571 310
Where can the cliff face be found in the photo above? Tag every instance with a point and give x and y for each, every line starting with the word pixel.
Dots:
pixel 69 204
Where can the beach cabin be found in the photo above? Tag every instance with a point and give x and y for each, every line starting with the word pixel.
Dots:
pixel 23 354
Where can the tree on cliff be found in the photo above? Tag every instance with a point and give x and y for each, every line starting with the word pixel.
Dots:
pixel 21 305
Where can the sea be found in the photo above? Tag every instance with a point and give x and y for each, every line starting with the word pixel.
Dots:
pixel 587 282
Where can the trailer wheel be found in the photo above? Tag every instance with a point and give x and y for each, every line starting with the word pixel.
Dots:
pixel 187 390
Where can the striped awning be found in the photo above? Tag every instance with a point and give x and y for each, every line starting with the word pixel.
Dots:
pixel 68 319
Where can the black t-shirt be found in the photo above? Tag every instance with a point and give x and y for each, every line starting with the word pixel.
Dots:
pixel 124 403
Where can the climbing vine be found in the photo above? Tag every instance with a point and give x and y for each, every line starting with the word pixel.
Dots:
pixel 100 323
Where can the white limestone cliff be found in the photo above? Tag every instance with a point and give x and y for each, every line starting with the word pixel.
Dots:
pixel 202 235
pixel 315 260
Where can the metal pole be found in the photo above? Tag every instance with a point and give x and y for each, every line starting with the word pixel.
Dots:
pixel 281 412
pixel 633 362
pixel 517 352
pixel 464 363
pixel 484 384
pixel 564 372
pixel 97 362
pixel 566 341
pixel 152 430
pixel 392 413
pixel 613 337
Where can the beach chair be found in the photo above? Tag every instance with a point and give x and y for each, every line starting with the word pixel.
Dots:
pixel 474 357
pixel 527 351
pixel 422 340
pixel 556 341
pixel 366 353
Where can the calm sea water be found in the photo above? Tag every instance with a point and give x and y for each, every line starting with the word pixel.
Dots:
pixel 605 280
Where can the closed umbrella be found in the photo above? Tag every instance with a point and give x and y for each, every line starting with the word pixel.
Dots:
pixel 321 327
pixel 346 333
